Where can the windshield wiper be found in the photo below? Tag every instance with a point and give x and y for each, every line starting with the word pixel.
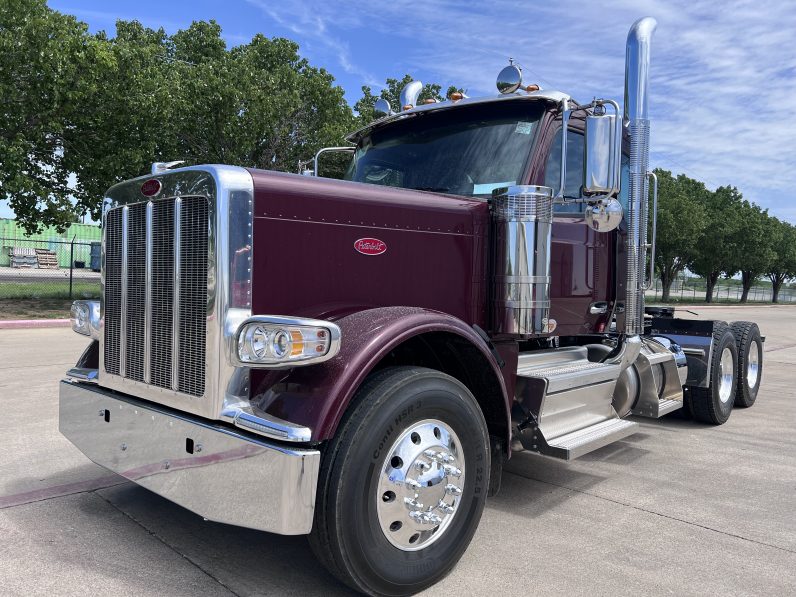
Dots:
pixel 431 189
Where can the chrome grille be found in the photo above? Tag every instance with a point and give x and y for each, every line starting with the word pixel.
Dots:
pixel 178 250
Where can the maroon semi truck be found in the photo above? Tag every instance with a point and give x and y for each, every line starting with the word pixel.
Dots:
pixel 355 359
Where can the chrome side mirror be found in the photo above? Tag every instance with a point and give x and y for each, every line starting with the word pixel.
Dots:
pixel 602 162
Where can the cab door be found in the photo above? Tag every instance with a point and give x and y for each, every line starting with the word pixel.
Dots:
pixel 582 262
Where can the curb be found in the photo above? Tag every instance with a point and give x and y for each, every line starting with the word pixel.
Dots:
pixel 18 324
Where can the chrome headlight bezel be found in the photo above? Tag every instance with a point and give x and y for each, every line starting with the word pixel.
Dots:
pixel 285 342
pixel 85 318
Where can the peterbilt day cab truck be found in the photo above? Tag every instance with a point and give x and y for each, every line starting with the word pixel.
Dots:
pixel 355 359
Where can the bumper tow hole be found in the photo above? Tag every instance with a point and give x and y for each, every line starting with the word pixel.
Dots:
pixel 189 445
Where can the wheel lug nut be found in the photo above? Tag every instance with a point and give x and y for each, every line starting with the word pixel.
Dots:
pixel 452 470
pixel 452 489
pixel 445 507
pixel 412 503
pixel 411 483
pixel 422 466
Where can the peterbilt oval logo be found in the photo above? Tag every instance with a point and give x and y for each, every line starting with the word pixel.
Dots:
pixel 151 187
pixel 370 246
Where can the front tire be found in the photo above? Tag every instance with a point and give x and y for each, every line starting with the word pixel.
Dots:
pixel 403 484
pixel 714 404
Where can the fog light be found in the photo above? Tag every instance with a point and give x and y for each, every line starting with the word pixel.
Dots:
pixel 273 341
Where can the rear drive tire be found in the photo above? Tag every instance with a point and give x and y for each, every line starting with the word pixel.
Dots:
pixel 714 404
pixel 403 483
pixel 750 361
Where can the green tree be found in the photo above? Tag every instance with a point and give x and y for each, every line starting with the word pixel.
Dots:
pixel 44 59
pixel 783 266
pixel 753 245
pixel 392 93
pixel 92 110
pixel 681 221
pixel 715 253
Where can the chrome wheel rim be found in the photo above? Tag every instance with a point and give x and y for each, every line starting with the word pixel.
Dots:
pixel 753 364
pixel 727 374
pixel 420 485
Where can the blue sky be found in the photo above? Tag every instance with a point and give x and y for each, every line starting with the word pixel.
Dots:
pixel 723 90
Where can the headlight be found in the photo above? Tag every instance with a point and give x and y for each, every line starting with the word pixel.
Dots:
pixel 85 318
pixel 272 341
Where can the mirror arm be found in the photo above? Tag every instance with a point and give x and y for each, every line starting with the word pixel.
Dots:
pixel 564 130
pixel 347 149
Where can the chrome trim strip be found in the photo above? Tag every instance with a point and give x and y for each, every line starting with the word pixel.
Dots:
pixel 123 314
pixel 83 374
pixel 175 313
pixel 218 472
pixel 243 416
pixel 148 294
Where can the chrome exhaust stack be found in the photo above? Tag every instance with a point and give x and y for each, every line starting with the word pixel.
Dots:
pixel 636 119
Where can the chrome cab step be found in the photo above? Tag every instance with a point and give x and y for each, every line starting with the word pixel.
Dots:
pixel 580 442
pixel 567 399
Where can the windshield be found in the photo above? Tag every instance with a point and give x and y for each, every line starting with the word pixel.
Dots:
pixel 470 150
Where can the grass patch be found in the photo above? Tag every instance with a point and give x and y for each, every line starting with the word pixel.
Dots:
pixel 49 290
pixel 49 308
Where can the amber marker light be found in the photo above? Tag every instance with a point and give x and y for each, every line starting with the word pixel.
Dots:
pixel 531 88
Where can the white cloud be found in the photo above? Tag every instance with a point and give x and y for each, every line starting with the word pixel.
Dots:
pixel 723 87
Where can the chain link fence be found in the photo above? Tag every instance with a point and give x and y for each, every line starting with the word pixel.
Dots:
pixel 49 269
pixel 721 293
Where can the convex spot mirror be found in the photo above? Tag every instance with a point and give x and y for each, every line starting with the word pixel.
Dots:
pixel 382 108
pixel 604 215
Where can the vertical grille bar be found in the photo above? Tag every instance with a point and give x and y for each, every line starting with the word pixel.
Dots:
pixel 113 289
pixel 123 314
pixel 148 296
pixel 193 295
pixel 162 293
pixel 175 326
pixel 136 291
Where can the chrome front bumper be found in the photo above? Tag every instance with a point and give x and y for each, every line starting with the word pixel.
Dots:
pixel 217 472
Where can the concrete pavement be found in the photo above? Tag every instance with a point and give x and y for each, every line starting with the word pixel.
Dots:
pixel 679 508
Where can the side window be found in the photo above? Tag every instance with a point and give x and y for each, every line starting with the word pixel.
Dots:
pixel 552 174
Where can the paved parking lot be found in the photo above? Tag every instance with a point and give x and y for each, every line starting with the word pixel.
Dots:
pixel 679 508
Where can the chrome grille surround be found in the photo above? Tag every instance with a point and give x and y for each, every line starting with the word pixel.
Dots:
pixel 201 374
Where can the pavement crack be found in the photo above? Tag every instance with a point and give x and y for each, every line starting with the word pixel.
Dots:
pixel 667 516
pixel 168 545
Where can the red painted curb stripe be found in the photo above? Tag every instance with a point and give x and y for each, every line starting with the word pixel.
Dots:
pixel 17 324
pixel 37 495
